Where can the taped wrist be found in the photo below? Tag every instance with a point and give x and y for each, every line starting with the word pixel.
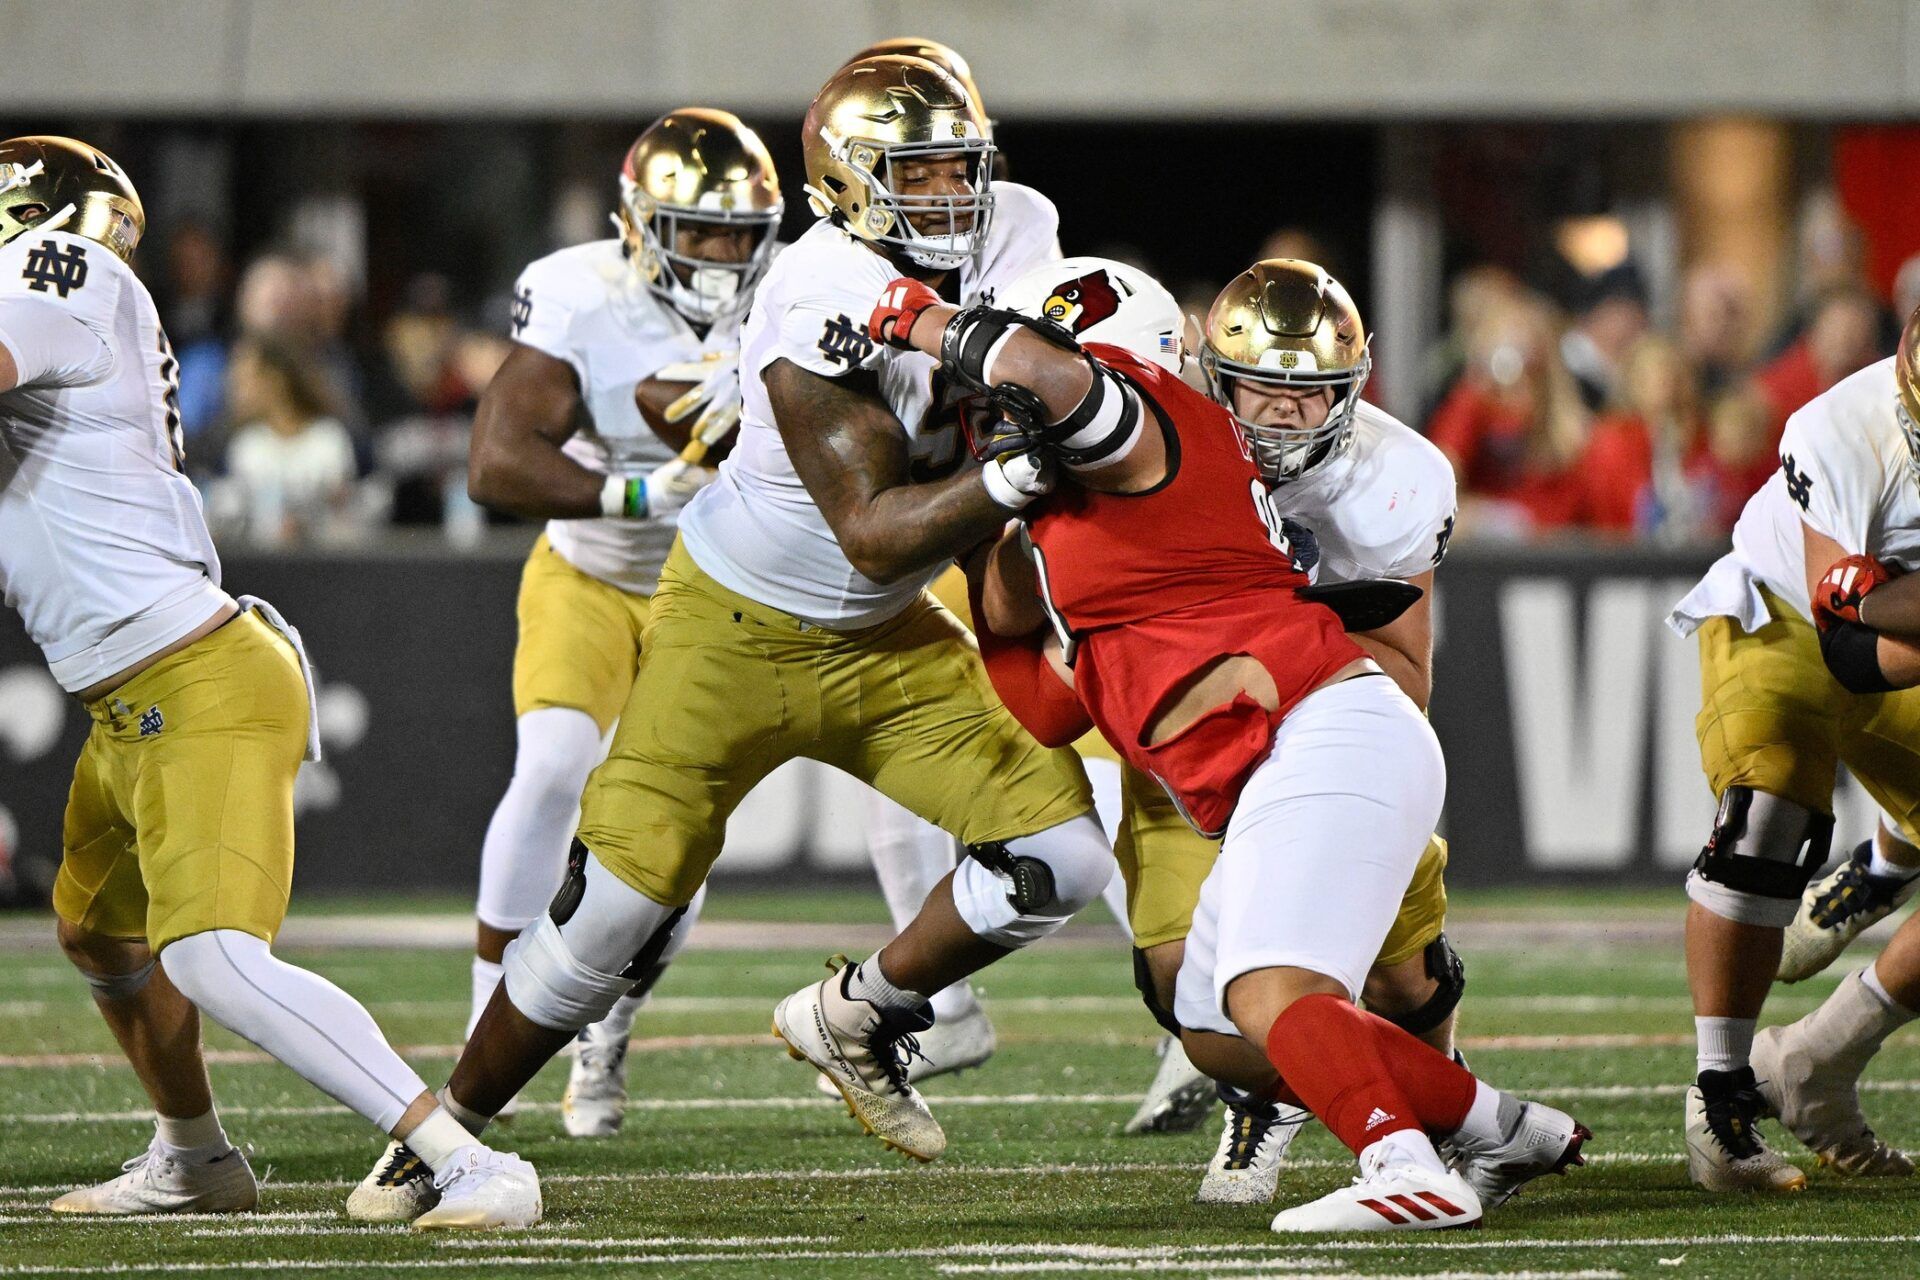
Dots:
pixel 624 498
pixel 1852 653
pixel 1103 428
pixel 974 336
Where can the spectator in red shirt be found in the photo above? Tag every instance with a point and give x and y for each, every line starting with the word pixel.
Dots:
pixel 1842 336
pixel 1513 426
pixel 1656 468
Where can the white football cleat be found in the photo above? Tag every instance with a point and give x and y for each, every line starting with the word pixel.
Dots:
pixel 1246 1167
pixel 1392 1193
pixel 1537 1140
pixel 865 1053
pixel 1820 1105
pixel 1837 909
pixel 595 1102
pixel 483 1190
pixel 399 1189
pixel 1724 1149
pixel 156 1181
pixel 1179 1098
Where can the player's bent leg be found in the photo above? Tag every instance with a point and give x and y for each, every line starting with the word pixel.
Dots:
pixel 1809 1071
pixel 1744 891
pixel 190 1166
pixel 524 855
pixel 1421 994
pixel 322 1033
pixel 595 1102
pixel 911 857
pixel 1876 880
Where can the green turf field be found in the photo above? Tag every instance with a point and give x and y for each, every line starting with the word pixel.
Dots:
pixel 731 1166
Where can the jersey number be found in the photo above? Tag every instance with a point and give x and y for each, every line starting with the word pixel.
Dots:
pixel 936 446
pixel 170 397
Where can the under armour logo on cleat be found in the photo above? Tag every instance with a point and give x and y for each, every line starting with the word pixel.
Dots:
pixel 152 722
pixel 1377 1119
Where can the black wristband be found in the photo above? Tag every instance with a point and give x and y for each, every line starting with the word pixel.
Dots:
pixel 1852 653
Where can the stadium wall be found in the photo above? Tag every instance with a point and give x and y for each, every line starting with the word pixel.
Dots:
pixel 1565 705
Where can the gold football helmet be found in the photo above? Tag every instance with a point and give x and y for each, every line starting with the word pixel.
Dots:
pixel 943 56
pixel 1906 378
pixel 877 114
pixel 58 184
pixel 700 166
pixel 1284 322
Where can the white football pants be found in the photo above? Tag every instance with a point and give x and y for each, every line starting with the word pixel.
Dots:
pixel 1320 849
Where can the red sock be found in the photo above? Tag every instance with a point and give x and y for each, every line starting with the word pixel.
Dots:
pixel 1440 1089
pixel 1328 1055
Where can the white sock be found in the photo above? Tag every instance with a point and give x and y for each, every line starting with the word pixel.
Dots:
pixel 1489 1119
pixel 436 1138
pixel 1881 865
pixel 300 1018
pixel 618 1024
pixel 953 1003
pixel 197 1139
pixel 870 984
pixel 1724 1044
pixel 1408 1146
pixel 1870 979
pixel 485 977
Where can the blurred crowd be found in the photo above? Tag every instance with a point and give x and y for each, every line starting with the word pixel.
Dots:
pixel 1567 408
pixel 306 423
pixel 1582 413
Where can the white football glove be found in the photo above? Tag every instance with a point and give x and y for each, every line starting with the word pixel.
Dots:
pixel 1014 480
pixel 656 495
pixel 716 395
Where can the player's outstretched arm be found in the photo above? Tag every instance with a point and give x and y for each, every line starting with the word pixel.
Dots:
pixel 851 453
pixel 1404 647
pixel 516 464
pixel 1096 422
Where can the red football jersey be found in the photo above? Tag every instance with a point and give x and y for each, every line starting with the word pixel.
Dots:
pixel 1153 587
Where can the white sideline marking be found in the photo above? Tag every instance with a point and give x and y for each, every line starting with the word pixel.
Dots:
pixel 811 1102
pixel 155 1219
pixel 22 1196
pixel 1257 1267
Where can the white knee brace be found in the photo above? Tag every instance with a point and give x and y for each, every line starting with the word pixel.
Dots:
pixel 599 939
pixel 119 986
pixel 1077 864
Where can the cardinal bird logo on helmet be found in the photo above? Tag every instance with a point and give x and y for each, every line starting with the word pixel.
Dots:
pixel 1081 304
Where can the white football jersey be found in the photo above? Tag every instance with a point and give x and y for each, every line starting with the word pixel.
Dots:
pixel 586 306
pixel 756 529
pixel 104 548
pixel 1844 471
pixel 1382 509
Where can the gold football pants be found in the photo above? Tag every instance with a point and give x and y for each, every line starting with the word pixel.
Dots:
pixel 1773 718
pixel 733 688
pixel 180 819
pixel 579 639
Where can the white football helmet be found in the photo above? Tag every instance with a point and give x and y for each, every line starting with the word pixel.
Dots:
pixel 1100 300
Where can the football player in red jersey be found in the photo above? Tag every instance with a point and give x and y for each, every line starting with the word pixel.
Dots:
pixel 1156 595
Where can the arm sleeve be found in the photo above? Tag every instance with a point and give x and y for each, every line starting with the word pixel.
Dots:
pixel 1027 683
pixel 1425 545
pixel 50 346
pixel 1831 476
pixel 825 332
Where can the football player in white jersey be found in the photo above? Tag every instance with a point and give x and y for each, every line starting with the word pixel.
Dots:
pixel 910 855
pixel 597 329
pixel 177 853
pixel 1797 678
pixel 792 620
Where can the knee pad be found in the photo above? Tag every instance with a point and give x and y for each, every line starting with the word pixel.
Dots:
pixel 1763 853
pixel 596 942
pixel 1444 966
pixel 1012 893
pixel 1143 982
pixel 120 986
